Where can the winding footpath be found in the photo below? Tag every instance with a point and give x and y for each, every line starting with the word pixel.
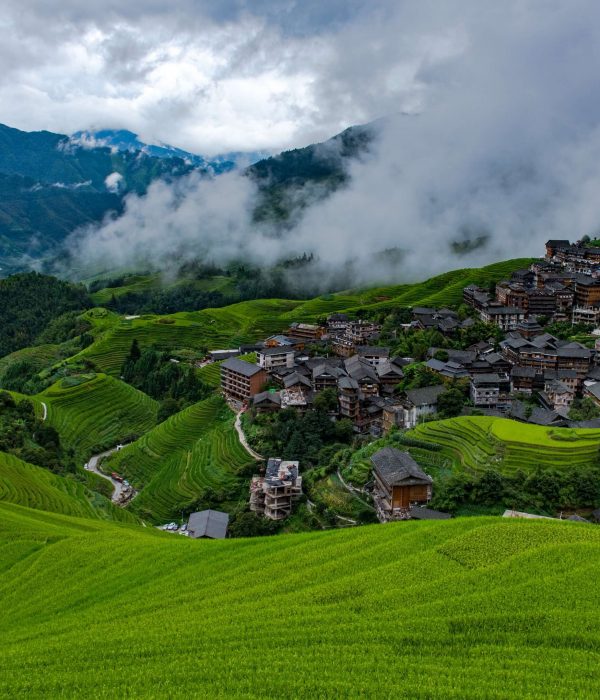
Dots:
pixel 243 440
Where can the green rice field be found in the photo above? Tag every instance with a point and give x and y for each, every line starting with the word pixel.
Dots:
pixel 468 608
pixel 175 462
pixel 476 442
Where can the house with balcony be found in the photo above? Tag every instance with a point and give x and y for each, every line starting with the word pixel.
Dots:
pixel 274 493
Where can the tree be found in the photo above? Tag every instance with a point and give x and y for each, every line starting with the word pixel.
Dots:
pixel 249 524
pixel 326 400
pixel 584 409
pixel 134 352
pixel 450 402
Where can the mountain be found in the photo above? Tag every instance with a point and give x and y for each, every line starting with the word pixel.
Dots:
pixel 49 186
pixel 292 180
pixel 52 184
pixel 123 140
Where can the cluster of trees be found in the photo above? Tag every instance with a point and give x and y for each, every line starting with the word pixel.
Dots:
pixel 29 302
pixel 152 372
pixel 584 409
pixel 544 490
pixel 184 297
pixel 22 435
pixel 292 435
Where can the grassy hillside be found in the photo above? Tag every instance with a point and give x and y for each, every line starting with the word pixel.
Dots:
pixel 472 608
pixel 252 320
pixel 92 412
pixel 507 445
pixel 27 485
pixel 173 464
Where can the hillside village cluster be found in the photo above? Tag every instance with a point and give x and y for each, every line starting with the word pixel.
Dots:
pixel 527 362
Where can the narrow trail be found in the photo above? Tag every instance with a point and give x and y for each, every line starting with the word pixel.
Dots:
pixel 44 410
pixel 357 493
pixel 92 466
pixel 243 440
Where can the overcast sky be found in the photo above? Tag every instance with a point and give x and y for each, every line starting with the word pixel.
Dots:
pixel 210 75
pixel 494 133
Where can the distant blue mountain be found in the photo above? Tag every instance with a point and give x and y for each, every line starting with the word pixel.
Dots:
pixel 124 140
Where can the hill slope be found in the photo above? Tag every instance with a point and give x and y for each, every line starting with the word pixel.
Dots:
pixel 96 412
pixel 27 485
pixel 462 609
pixel 254 320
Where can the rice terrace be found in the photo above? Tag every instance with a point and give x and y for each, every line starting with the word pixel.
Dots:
pixel 300 350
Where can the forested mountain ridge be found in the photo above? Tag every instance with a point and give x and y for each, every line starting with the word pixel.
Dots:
pixel 51 184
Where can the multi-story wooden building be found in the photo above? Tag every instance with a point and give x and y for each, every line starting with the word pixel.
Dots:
pixel 399 483
pixel 241 380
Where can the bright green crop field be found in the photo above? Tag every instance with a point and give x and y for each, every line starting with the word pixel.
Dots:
pixel 34 487
pixel 471 608
pixel 476 442
pixel 249 321
pixel 94 412
pixel 175 462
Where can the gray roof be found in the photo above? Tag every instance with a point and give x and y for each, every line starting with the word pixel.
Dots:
pixel 241 367
pixel 268 396
pixel 427 395
pixel 208 523
pixel 296 378
pixel 396 467
pixel 374 350
pixel 419 513
pixel 279 350
pixel 491 378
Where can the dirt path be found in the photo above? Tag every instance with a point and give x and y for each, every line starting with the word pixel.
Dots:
pixel 242 437
pixel 92 466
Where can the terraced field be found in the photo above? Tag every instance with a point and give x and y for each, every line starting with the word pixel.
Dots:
pixel 98 412
pixel 31 486
pixel 253 320
pixel 478 442
pixel 471 608
pixel 173 464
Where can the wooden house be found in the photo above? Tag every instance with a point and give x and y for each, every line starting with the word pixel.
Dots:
pixel 399 484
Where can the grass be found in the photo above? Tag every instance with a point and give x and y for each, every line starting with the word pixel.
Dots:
pixel 34 487
pixel 95 412
pixel 249 321
pixel 471 608
pixel 176 462
pixel 477 442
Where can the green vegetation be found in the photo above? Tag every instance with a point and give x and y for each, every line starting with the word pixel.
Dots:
pixel 94 412
pixel 28 302
pixel 192 457
pixel 478 442
pixel 34 487
pixel 26 436
pixel 481 608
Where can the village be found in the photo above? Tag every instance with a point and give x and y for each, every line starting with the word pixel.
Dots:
pixel 520 371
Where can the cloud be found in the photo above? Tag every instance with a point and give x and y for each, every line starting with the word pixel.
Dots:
pixel 495 138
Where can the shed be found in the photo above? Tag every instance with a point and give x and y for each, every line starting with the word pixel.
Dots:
pixel 211 524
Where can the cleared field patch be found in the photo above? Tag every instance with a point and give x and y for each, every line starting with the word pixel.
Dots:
pixel 95 412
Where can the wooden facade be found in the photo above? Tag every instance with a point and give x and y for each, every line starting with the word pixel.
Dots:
pixel 399 483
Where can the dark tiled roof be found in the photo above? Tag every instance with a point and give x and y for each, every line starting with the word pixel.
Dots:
pixel 425 395
pixel 396 467
pixel 208 523
pixel 267 397
pixel 241 367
